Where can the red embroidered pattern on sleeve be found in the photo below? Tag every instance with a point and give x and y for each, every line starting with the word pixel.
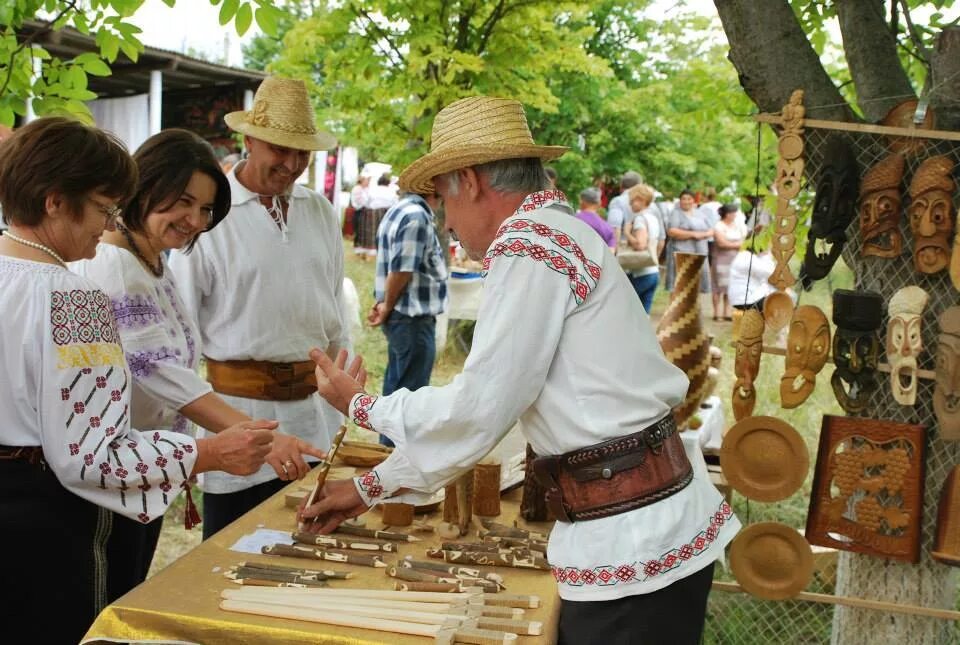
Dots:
pixel 360 410
pixel 82 317
pixel 369 486
pixel 612 574
pixel 558 251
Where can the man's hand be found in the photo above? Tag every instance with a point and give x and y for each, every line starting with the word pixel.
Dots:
pixel 335 384
pixel 337 501
pixel 378 314
pixel 286 459
pixel 239 450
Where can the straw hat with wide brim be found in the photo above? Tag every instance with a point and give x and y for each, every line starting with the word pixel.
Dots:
pixel 281 115
pixel 473 131
pixel 764 458
pixel 771 560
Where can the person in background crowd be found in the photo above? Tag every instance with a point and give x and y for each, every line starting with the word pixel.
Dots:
pixel 689 230
pixel 619 211
pixel 728 237
pixel 410 290
pixel 69 457
pixel 589 203
pixel 530 361
pixel 266 285
pixel 758 218
pixel 380 198
pixel 710 206
pixel 359 199
pixel 644 231
pixel 749 274
pixel 180 194
pixel 551 176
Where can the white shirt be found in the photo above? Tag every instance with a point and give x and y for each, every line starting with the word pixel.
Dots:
pixel 649 220
pixel 381 196
pixel 359 196
pixel 160 342
pixel 739 292
pixel 65 387
pixel 618 211
pixel 548 349
pixel 259 294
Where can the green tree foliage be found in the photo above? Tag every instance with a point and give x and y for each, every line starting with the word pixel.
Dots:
pixel 29 73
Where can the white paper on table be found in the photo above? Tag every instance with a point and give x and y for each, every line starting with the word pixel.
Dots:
pixel 254 542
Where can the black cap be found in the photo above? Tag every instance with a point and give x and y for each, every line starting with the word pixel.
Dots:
pixel 857 310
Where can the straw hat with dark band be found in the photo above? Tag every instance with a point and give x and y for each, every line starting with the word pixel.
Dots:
pixel 282 115
pixel 473 131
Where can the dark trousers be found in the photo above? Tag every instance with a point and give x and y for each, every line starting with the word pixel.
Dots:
pixel 646 288
pixel 54 576
pixel 411 349
pixel 130 551
pixel 220 509
pixel 673 615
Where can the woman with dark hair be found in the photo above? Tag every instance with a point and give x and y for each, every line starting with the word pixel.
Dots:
pixel 69 458
pixel 180 193
pixel 689 231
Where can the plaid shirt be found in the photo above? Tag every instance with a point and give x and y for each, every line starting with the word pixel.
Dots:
pixel 407 242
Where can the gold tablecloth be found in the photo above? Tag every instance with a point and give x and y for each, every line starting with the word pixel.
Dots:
pixel 181 603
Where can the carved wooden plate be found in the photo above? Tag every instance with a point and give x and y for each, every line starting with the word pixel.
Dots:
pixel 764 458
pixel 771 560
pixel 777 310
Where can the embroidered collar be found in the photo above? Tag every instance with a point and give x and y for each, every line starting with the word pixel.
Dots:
pixel 543 199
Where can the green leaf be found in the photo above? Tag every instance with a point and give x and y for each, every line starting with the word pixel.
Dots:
pixel 170 3
pixel 130 49
pixel 74 77
pixel 6 115
pixel 228 10
pixel 268 20
pixel 109 45
pixel 93 64
pixel 244 18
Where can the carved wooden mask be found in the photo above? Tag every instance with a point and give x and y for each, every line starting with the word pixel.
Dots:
pixel 808 344
pixel 746 364
pixel 946 393
pixel 931 214
pixel 833 210
pixel 905 342
pixel 856 347
pixel 880 208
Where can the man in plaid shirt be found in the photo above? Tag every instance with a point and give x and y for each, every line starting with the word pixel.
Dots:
pixel 410 290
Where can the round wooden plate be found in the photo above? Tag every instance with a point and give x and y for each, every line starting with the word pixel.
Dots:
pixel 358 455
pixel 771 560
pixel 777 310
pixel 764 458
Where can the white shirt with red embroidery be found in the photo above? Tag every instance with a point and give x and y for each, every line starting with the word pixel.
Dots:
pixel 65 386
pixel 259 292
pixel 563 344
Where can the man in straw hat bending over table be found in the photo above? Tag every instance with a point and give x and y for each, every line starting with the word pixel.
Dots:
pixel 265 287
pixel 640 525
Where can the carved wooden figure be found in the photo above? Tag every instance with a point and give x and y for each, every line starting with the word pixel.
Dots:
pixel 946 392
pixel 856 347
pixel 880 208
pixel 808 344
pixel 746 364
pixel 931 214
pixel 905 342
pixel 789 177
pixel 867 491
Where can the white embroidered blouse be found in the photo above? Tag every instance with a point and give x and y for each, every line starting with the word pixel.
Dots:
pixel 259 292
pixel 65 386
pixel 551 348
pixel 160 342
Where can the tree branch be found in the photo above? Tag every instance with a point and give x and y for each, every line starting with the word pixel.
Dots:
pixel 362 13
pixel 71 5
pixel 924 53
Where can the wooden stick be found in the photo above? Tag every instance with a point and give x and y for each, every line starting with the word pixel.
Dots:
pixel 334 542
pixel 882 367
pixel 449 568
pixel 310 553
pixel 441 634
pixel 371 533
pixel 329 573
pixel 843 126
pixel 257 582
pixel 323 469
pixel 860 603
pixel 495 528
pixel 439 587
pixel 260 574
pixel 519 560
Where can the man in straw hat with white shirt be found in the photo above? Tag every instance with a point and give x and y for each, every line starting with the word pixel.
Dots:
pixel 265 286
pixel 639 523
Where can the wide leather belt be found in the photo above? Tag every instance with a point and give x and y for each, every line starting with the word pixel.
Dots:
pixel 264 380
pixel 30 454
pixel 615 476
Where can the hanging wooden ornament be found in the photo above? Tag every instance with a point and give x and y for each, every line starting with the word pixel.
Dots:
pixel 903 116
pixel 789 177
pixel 867 492
pixel 764 459
pixel 746 363
pixel 771 561
pixel 946 546
pixel 931 214
pixel 946 392
pixel 777 310
pixel 905 341
pixel 880 208
pixel 808 344
pixel 856 347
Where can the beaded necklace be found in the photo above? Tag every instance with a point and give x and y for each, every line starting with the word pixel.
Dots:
pixel 128 236
pixel 38 246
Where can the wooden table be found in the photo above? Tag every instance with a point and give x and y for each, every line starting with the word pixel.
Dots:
pixel 181 603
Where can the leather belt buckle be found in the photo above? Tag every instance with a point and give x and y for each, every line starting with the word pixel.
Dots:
pixel 654 438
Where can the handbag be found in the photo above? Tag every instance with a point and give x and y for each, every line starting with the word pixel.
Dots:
pixel 631 260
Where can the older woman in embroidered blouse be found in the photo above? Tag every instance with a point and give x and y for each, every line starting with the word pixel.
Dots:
pixel 181 192
pixel 69 457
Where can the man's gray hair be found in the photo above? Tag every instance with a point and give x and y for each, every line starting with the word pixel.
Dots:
pixel 506 176
pixel 590 195
pixel 630 179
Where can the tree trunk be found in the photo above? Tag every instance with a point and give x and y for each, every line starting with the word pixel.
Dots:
pixel 871 52
pixel 773 58
pixel 945 80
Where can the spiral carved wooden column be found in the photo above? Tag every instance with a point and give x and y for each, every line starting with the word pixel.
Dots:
pixel 681 334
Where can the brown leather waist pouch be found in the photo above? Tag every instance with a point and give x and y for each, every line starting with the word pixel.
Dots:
pixel 615 476
pixel 264 380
